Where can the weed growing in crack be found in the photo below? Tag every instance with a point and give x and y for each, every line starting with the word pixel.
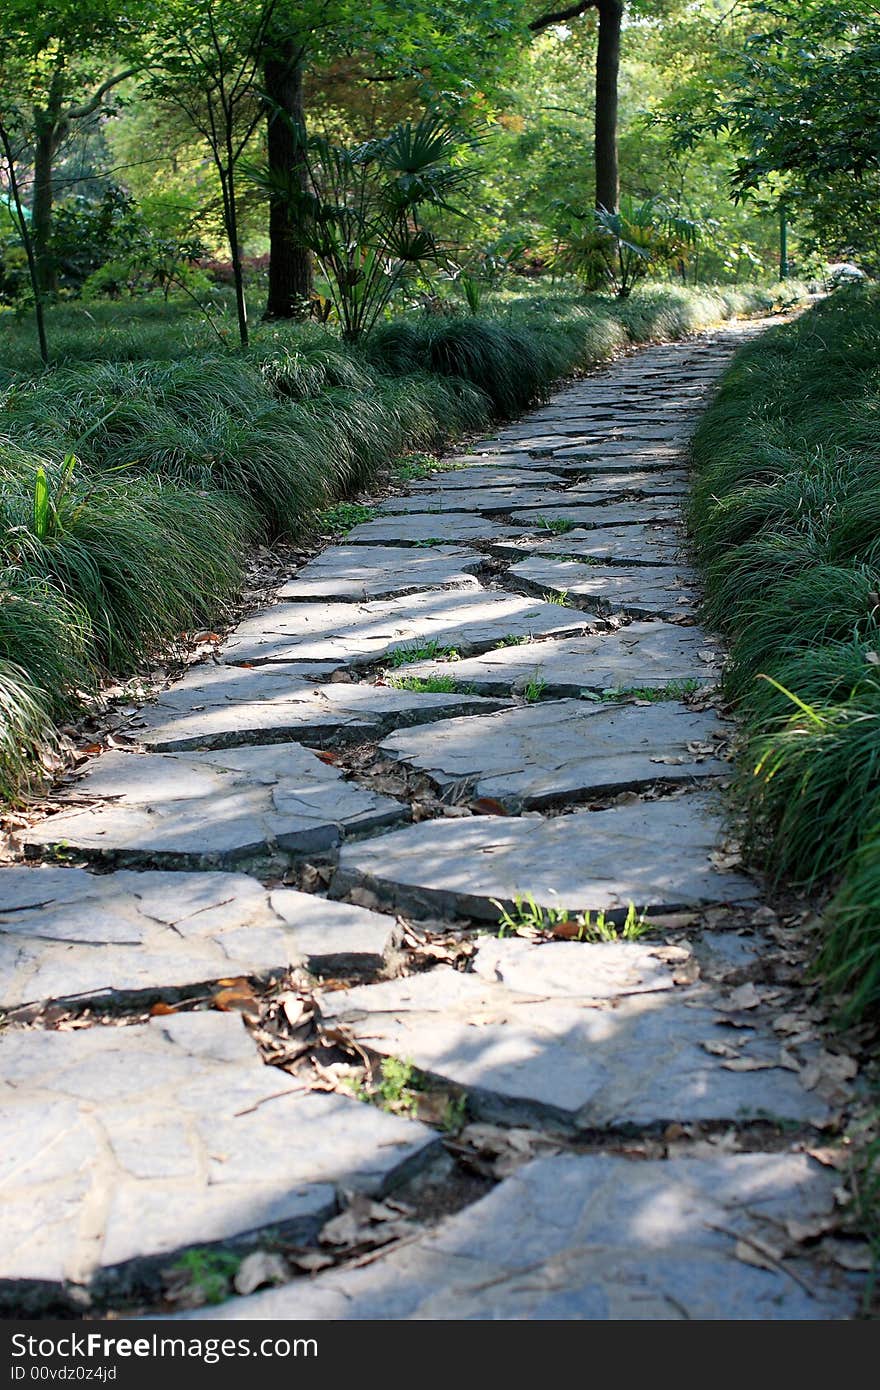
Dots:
pixel 429 685
pixel 417 467
pixel 556 525
pixel 344 516
pixel 455 1114
pixel 431 540
pixel 655 694
pixel 510 639
pixel 527 913
pixel 534 689
pixel 531 916
pixel 559 596
pixel 394 1090
pixel 209 1272
pixel 402 656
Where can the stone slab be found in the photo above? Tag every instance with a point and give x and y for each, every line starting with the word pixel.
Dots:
pixel 655 855
pixel 638 656
pixel 66 933
pixel 479 474
pixel 478 500
pixel 559 1053
pixel 221 706
pixel 643 592
pixel 596 1238
pixel 152 1138
pixel 358 634
pixel 622 545
pixel 210 810
pixel 603 451
pixel 571 970
pixel 562 750
pixel 615 514
pixel 672 482
pixel 359 571
pixel 426 528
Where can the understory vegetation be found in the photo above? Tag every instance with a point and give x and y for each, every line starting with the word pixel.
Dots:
pixel 786 522
pixel 132 488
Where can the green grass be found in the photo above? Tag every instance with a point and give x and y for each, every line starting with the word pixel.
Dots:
pixel 344 516
pixel 428 685
pixel 529 915
pixel 654 694
pixel 785 518
pixel 555 525
pixel 427 651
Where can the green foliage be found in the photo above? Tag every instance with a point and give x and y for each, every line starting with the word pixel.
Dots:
pixel 426 651
pixel 362 210
pixel 428 685
pixel 623 247
pixel 529 915
pixel 208 1272
pixel 786 519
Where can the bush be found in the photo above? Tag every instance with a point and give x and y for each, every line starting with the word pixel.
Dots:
pixel 785 518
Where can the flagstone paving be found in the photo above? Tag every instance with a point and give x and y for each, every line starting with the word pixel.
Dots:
pixel 562 750
pixel 220 706
pixel 321 826
pixel 642 592
pixel 640 656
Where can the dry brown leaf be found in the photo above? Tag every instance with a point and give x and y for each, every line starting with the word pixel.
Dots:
pixel 237 996
pixel 160 1008
pixel 757 1254
pixel 488 806
pixel 745 997
pixel 748 1064
pixel 311 1261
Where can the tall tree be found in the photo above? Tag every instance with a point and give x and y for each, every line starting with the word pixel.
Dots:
pixel 208 65
pixel 56 59
pixel 610 13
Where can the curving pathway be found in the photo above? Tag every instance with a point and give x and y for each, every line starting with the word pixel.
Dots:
pixel 494 689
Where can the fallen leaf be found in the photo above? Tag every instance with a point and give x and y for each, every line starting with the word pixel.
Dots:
pixel 311 1261
pixel 160 1008
pixel 488 806
pixel 748 1064
pixel 208 637
pixel 745 997
pixel 803 1231
pixel 237 997
pixel 259 1268
pixel 719 1049
pixel 326 755
pixel 758 1255
pixel 295 1011
pixel 849 1254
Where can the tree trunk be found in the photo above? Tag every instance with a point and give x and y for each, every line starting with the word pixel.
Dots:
pixel 290 262
pixel 607 68
pixel 41 211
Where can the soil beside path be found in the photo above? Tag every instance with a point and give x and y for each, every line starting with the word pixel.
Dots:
pixel 455 801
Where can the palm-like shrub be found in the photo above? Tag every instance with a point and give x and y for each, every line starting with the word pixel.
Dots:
pixel 361 213
pixel 621 248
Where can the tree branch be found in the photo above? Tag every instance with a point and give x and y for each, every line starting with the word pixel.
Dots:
pixel 560 16
pixel 77 113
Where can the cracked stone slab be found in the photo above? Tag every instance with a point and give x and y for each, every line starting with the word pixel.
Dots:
pixel 360 571
pixel 65 932
pixel 643 592
pixel 614 514
pixel 558 1052
pixel 623 545
pixel 636 453
pixel 597 1238
pixel 569 970
pixel 563 750
pixel 222 706
pixel 210 810
pixel 670 483
pixel 526 474
pixel 479 500
pixel 655 855
pixel 427 528
pixel 602 472
pixel 638 656
pixel 123 1146
pixel 361 633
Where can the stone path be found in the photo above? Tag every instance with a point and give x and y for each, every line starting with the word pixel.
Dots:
pixel 418 810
